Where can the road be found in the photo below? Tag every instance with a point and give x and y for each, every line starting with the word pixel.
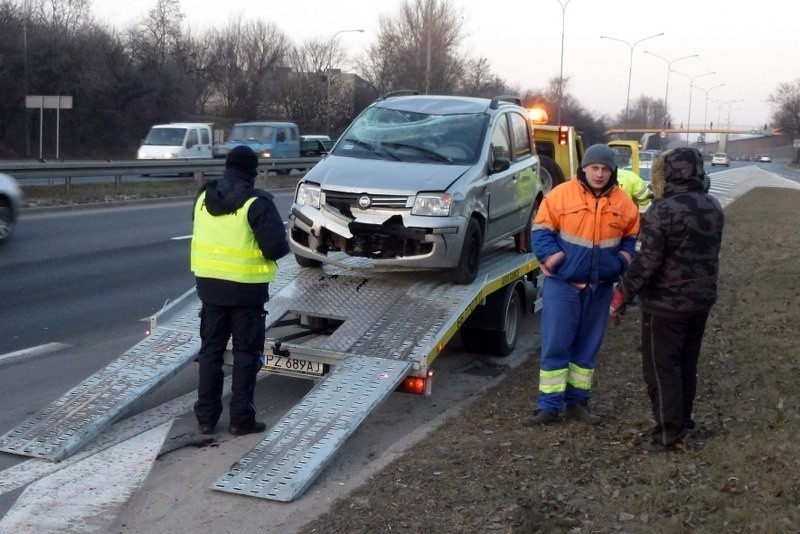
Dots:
pixel 86 280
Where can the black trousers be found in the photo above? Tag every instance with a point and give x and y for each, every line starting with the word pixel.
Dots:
pixel 246 325
pixel 670 351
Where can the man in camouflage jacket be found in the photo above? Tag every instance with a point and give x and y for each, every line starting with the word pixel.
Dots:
pixel 674 273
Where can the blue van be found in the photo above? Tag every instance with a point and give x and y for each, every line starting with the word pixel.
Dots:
pixel 267 139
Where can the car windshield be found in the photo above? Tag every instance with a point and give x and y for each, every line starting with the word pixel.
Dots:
pixel 165 136
pixel 418 137
pixel 260 134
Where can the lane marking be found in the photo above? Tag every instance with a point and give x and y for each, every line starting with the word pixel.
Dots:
pixel 83 496
pixel 32 352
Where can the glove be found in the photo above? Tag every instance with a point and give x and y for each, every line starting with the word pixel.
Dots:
pixel 617 307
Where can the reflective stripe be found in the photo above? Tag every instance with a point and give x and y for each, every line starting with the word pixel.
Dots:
pixel 224 247
pixel 553 381
pixel 579 377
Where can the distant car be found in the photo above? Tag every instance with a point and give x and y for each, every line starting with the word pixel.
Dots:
pixel 315 145
pixel 764 158
pixel 10 204
pixel 408 185
pixel 720 158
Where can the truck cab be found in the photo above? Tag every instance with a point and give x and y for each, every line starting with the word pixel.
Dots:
pixel 269 140
pixel 178 140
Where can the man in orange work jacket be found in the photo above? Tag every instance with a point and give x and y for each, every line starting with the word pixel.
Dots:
pixel 584 236
pixel 238 237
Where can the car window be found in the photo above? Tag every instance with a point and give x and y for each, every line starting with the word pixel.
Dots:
pixel 501 144
pixel 386 133
pixel 522 136
pixel 206 138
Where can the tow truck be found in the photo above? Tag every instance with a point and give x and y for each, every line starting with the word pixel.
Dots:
pixel 359 332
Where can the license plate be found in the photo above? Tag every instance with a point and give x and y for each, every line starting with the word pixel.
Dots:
pixel 293 365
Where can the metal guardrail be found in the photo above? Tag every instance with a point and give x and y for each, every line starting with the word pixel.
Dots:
pixel 116 170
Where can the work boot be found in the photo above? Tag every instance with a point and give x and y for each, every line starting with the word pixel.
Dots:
pixel 580 412
pixel 255 428
pixel 208 429
pixel 540 417
pixel 655 446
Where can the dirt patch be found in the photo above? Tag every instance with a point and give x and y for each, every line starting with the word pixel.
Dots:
pixel 484 472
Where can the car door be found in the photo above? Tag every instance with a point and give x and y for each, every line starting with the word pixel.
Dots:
pixel 502 202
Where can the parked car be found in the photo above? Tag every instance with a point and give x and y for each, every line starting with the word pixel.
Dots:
pixel 10 204
pixel 764 158
pixel 720 158
pixel 315 145
pixel 408 185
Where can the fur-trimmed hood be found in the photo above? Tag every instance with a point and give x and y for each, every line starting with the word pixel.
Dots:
pixel 680 169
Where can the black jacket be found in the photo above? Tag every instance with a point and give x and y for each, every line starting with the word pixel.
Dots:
pixel 676 265
pixel 226 196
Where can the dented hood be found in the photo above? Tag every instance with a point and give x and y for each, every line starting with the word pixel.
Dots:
pixel 386 177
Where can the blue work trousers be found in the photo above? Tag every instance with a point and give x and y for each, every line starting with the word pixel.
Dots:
pixel 573 323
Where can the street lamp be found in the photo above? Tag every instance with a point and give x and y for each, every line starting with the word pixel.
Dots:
pixel 669 69
pixel 705 113
pixel 691 86
pixel 630 67
pixel 328 71
pixel 561 72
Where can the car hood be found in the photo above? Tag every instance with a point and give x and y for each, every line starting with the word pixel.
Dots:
pixel 358 175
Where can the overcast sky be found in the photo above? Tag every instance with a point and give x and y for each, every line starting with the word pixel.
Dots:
pixel 750 47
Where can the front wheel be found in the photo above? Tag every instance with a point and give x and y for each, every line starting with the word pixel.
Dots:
pixel 469 261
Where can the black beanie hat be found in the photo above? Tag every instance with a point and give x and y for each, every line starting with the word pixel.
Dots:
pixel 244 159
pixel 602 154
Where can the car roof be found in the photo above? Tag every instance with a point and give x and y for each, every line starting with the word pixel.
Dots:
pixel 438 104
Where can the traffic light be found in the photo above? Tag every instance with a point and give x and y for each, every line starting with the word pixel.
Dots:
pixel 563 135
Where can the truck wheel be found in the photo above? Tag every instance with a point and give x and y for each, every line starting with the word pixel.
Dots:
pixel 469 261
pixel 502 342
pixel 550 174
pixel 302 261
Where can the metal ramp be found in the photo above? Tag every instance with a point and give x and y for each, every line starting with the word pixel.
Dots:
pixel 301 444
pixel 66 425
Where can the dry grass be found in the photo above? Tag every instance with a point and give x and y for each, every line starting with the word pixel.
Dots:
pixel 483 472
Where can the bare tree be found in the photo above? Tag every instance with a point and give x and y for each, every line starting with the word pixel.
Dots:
pixel 61 15
pixel 785 103
pixel 249 61
pixel 421 44
pixel 480 81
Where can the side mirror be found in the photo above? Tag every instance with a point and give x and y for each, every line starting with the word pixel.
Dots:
pixel 500 165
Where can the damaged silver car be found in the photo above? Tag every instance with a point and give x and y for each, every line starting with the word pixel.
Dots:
pixel 421 182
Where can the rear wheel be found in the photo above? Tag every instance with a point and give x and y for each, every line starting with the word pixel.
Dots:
pixel 469 261
pixel 549 174
pixel 502 342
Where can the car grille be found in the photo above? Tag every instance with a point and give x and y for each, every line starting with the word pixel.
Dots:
pixel 350 200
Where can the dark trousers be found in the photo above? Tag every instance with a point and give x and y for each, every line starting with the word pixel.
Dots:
pixel 246 325
pixel 670 350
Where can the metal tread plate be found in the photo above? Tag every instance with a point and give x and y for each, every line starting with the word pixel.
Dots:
pixel 297 448
pixel 66 425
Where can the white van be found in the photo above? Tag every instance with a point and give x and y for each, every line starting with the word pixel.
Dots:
pixel 178 140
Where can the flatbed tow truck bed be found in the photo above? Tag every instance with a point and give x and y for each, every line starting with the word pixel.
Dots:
pixel 358 332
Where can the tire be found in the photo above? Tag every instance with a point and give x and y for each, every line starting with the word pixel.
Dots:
pixel 502 342
pixel 522 240
pixel 302 261
pixel 470 259
pixel 472 340
pixel 550 174
pixel 6 222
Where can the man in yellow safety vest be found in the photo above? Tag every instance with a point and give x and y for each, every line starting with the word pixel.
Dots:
pixel 238 237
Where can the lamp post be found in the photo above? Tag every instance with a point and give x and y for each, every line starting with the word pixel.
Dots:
pixel 691 86
pixel 328 77
pixel 669 69
pixel 561 72
pixel 705 113
pixel 631 46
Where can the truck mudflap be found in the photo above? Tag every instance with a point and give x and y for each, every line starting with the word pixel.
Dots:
pixel 297 449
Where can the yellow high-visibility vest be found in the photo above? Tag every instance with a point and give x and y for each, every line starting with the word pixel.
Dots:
pixel 224 247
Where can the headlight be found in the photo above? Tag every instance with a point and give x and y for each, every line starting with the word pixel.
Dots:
pixel 308 195
pixel 266 154
pixel 168 155
pixel 432 204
